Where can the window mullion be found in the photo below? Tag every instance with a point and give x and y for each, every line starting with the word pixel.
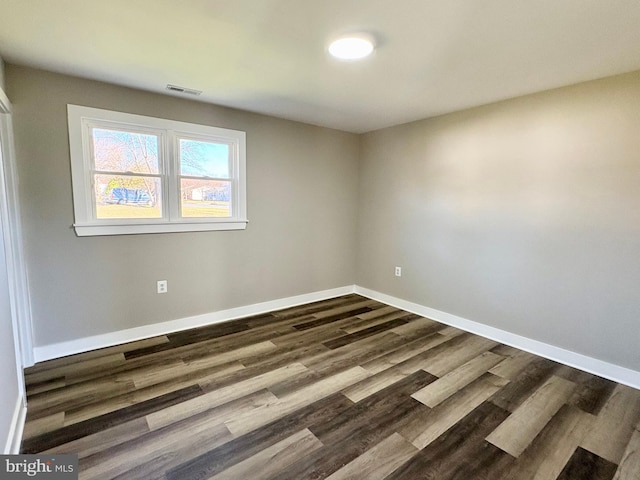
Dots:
pixel 172 168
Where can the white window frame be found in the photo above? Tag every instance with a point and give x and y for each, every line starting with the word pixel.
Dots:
pixel 169 132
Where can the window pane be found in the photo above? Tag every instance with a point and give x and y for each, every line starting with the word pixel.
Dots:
pixel 127 196
pixel 118 151
pixel 205 198
pixel 206 159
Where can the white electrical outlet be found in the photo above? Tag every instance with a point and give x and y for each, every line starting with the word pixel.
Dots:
pixel 398 271
pixel 162 286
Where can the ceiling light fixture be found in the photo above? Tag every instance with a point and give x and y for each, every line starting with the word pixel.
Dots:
pixel 352 47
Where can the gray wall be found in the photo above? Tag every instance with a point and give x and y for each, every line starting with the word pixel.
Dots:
pixel 302 200
pixel 523 215
pixel 2 82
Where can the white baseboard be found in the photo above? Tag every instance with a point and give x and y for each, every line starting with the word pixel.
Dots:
pixel 14 436
pixel 601 368
pixel 62 349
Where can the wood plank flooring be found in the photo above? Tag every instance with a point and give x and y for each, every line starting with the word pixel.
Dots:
pixel 346 388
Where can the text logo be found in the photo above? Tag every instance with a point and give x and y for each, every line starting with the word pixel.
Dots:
pixel 51 467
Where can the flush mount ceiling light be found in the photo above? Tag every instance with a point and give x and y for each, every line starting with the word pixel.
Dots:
pixel 352 47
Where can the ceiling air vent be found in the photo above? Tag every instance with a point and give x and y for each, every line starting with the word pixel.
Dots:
pixel 189 91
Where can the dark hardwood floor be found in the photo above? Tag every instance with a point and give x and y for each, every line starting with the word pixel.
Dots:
pixel 343 388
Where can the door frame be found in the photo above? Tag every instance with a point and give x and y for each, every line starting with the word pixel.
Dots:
pixel 13 241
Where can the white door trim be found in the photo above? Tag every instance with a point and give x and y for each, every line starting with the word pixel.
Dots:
pixel 12 228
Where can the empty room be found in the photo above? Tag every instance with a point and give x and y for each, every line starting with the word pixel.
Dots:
pixel 294 239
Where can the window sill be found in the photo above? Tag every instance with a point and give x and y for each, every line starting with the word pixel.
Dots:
pixel 90 230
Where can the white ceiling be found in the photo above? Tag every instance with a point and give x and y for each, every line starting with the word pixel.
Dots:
pixel 269 56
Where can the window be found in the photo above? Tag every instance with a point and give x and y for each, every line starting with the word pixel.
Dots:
pixel 135 174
